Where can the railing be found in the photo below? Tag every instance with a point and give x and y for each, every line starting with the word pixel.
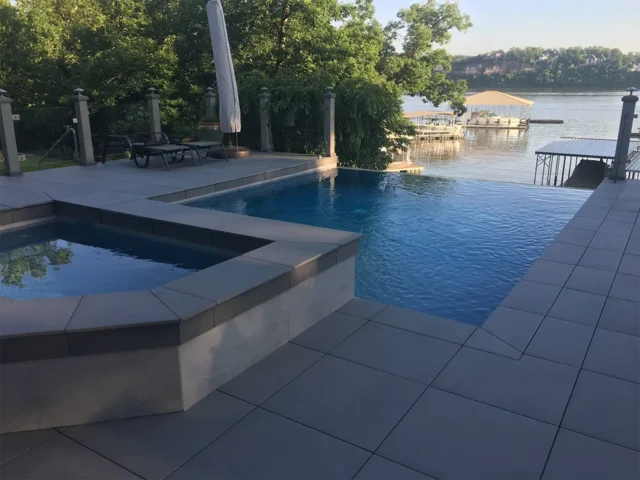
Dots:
pixel 70 132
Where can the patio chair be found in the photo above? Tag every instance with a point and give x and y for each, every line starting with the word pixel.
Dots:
pixel 194 142
pixel 143 146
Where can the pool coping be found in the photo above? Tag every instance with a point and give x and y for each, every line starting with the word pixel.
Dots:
pixel 276 257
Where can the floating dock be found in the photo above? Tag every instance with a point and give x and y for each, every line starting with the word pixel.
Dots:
pixel 404 167
pixel 545 120
pixel 438 132
pixel 496 126
pixel 435 125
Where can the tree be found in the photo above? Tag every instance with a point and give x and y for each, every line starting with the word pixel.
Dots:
pixel 570 67
pixel 419 68
pixel 115 50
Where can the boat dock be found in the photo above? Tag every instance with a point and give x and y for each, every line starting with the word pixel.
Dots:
pixel 435 125
pixel 558 161
pixel 439 132
pixel 545 120
pixel 404 167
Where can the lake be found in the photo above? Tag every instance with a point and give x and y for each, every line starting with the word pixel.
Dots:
pixel 508 155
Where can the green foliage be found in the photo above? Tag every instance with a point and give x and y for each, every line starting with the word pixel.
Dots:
pixel 420 68
pixel 115 50
pixel 534 67
pixel 365 116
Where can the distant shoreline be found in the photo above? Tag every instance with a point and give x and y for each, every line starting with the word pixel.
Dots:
pixel 559 90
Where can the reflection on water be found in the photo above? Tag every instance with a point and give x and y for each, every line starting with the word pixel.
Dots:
pixel 61 259
pixel 508 155
pixel 34 260
pixel 452 248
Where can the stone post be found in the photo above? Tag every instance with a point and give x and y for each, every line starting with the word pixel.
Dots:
pixel 153 103
pixel 8 137
pixel 210 105
pixel 329 122
pixel 85 144
pixel 618 168
pixel 265 121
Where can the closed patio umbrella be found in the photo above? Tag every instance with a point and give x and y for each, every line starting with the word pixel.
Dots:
pixel 225 75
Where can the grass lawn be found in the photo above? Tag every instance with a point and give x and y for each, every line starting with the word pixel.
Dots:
pixel 31 163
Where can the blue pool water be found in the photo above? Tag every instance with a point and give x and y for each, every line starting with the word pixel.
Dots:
pixel 62 259
pixel 452 248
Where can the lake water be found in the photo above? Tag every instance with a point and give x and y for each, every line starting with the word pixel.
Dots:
pixel 508 155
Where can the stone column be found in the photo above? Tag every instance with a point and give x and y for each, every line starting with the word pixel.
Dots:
pixel 85 144
pixel 153 103
pixel 618 168
pixel 265 121
pixel 210 105
pixel 8 137
pixel 329 122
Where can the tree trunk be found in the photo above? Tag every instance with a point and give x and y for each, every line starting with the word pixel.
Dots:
pixel 282 35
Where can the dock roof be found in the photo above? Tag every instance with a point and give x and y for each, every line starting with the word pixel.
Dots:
pixel 493 97
pixel 428 113
pixel 584 147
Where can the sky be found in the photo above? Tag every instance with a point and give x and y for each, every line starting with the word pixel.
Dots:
pixel 502 24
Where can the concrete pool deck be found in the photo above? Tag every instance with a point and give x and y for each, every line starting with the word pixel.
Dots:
pixel 548 387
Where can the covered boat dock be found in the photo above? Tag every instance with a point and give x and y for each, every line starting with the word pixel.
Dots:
pixel 493 109
pixel 557 161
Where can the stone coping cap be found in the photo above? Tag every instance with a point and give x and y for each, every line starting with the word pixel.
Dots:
pixel 274 257
pixel 163 316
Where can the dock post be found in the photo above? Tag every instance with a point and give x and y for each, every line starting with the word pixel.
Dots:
pixel 8 137
pixel 85 142
pixel 153 104
pixel 618 168
pixel 265 120
pixel 210 104
pixel 329 122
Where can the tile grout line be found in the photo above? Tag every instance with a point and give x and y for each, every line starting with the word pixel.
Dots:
pixel 55 430
pixel 362 466
pixel 607 375
pixel 346 338
pixel 430 336
pixel 417 399
pixel 600 440
pixel 315 429
pixel 297 375
pixel 566 407
pixel 579 370
pixel 396 463
pixel 98 453
pixel 217 437
pixel 378 370
pixel 495 406
pixel 497 338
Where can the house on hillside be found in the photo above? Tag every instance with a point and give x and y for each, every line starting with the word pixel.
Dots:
pixel 493 69
pixel 594 59
pixel 439 69
pixel 472 69
pixel 635 68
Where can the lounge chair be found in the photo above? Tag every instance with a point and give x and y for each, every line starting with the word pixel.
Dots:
pixel 195 143
pixel 143 146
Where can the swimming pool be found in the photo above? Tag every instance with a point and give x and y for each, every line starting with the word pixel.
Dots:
pixel 64 259
pixel 452 248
